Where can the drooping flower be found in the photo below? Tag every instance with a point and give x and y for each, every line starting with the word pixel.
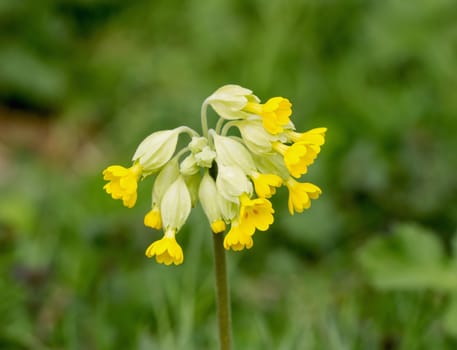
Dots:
pixel 237 239
pixel 123 183
pixel 167 175
pixel 300 195
pixel 166 250
pixel 174 209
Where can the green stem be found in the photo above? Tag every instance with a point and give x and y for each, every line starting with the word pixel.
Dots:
pixel 204 119
pixel 222 293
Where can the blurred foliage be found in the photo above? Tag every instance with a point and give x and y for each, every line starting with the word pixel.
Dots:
pixel 411 258
pixel 82 82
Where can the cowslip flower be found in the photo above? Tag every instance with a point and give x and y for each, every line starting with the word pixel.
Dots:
pixel 300 195
pixel 265 184
pixel 235 102
pixel 255 214
pixel 232 175
pixel 297 156
pixel 123 183
pixel 175 208
pixel 237 238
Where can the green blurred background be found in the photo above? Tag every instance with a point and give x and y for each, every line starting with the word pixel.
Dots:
pixel 373 263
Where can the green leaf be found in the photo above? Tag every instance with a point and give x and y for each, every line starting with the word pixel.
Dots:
pixel 409 258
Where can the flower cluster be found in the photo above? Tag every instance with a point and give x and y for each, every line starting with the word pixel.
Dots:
pixel 233 177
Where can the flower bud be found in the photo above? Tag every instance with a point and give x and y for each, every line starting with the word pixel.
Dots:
pixel 197 144
pixel 189 165
pixel 256 138
pixel 232 153
pixel 176 205
pixel 209 198
pixel 164 179
pixel 231 182
pixel 156 150
pixel 229 100
pixel 205 157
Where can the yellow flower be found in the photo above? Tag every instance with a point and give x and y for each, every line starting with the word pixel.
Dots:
pixel 298 156
pixel 123 183
pixel 255 214
pixel 153 218
pixel 300 195
pixel 237 239
pixel 314 136
pixel 218 226
pixel 275 113
pixel 166 250
pixel 265 184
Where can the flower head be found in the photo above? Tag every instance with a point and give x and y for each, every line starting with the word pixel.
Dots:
pixel 232 174
pixel 166 250
pixel 123 183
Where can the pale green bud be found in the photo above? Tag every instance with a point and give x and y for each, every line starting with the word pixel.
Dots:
pixel 232 153
pixel 205 157
pixel 193 183
pixel 197 144
pixel 254 135
pixel 209 195
pixel 164 179
pixel 176 205
pixel 217 209
pixel 272 164
pixel 156 150
pixel 232 182
pixel 189 165
pixel 229 100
